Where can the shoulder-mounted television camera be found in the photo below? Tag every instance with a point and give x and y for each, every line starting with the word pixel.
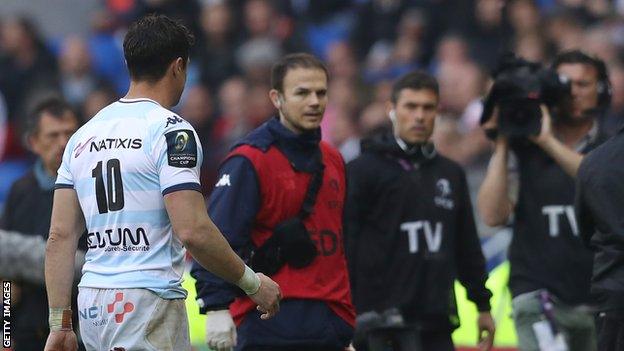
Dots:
pixel 520 87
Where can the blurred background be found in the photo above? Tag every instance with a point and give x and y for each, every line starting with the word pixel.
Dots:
pixel 73 48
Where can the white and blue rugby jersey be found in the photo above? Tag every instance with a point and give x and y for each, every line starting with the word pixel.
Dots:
pixel 121 163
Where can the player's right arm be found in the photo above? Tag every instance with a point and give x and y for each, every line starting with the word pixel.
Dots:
pixel 66 226
pixel 205 242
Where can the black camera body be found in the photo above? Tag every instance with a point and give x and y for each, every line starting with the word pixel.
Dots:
pixel 520 87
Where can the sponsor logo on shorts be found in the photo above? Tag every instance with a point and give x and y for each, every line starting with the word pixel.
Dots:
pixel 98 315
pixel 126 308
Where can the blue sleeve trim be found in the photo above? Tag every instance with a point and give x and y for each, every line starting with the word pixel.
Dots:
pixel 63 186
pixel 183 186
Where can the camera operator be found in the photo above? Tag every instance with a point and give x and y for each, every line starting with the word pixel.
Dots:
pixel 550 267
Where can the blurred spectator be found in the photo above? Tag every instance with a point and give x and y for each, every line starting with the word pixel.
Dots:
pixel 341 61
pixel 531 47
pixel 260 107
pixel 597 41
pixel 258 15
pixel 29 207
pixel 342 103
pixel 344 137
pixel 77 79
pixel 489 35
pixel 452 49
pixel 457 133
pixel 4 128
pixel 184 11
pixel 262 19
pixel 233 123
pixel 376 23
pixel 198 109
pixel 26 67
pixel 255 57
pixel 524 17
pixel 614 119
pixel 388 61
pixel 322 23
pixel 459 85
pixel 215 46
pixel 106 51
pixel 564 30
pixel 100 97
pixel 29 251
pixel 373 117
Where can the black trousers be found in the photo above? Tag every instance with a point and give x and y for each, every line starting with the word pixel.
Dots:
pixel 610 329
pixel 437 340
pixel 409 340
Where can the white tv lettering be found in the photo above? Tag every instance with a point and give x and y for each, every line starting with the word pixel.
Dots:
pixel 553 212
pixel 433 238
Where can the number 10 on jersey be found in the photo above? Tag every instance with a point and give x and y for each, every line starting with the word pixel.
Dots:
pixel 111 197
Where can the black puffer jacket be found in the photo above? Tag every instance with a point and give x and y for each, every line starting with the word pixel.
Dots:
pixel 411 233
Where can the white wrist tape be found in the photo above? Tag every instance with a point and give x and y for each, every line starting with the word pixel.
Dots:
pixel 249 282
pixel 60 319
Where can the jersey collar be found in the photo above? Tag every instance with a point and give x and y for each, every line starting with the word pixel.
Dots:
pixel 130 101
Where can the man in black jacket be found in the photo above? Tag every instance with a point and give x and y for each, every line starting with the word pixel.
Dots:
pixel 599 200
pixel 550 267
pixel 29 206
pixel 410 225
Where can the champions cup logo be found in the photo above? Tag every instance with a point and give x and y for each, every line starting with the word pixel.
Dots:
pixel 181 148
pixel 181 141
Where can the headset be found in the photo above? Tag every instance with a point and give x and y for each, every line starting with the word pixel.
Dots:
pixel 604 88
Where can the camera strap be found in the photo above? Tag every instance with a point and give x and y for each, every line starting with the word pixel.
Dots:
pixel 313 187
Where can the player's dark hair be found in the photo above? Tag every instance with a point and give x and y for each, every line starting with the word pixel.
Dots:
pixel 152 43
pixel 292 61
pixel 417 80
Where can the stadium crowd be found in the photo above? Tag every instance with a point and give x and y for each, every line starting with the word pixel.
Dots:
pixel 366 44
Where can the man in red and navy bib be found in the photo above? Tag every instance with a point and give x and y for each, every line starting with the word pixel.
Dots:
pixel 262 184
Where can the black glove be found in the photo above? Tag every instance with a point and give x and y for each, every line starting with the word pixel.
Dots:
pixel 267 258
pixel 298 250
